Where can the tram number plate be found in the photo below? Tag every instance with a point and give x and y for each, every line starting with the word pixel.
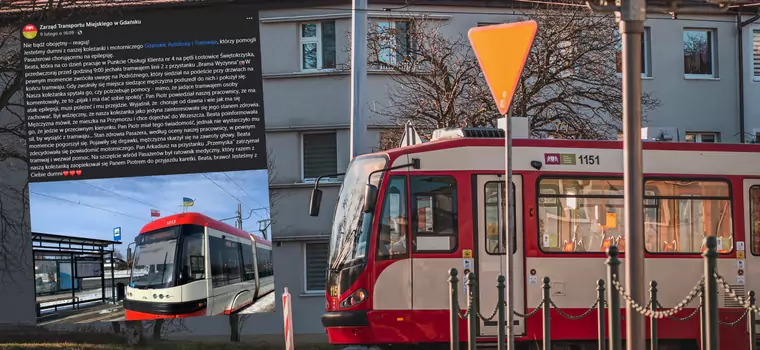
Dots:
pixel 334 291
pixel 588 159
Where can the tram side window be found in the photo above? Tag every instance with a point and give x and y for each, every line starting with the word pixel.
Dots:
pixel 689 211
pixel 392 232
pixel 225 261
pixel 264 262
pixel 495 207
pixel 193 265
pixel 216 252
pixel 580 215
pixel 232 259
pixel 249 269
pixel 754 217
pixel 434 213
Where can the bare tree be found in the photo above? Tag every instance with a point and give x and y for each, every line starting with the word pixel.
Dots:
pixel 570 86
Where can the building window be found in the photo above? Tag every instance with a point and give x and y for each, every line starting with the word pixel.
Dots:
pixel 754 218
pixel 390 43
pixel 316 266
pixel 317 45
pixel 646 70
pixel 434 213
pixel 756 54
pixel 709 137
pixel 320 155
pixel 699 52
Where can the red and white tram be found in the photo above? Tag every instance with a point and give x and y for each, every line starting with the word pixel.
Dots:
pixel 189 265
pixel 440 206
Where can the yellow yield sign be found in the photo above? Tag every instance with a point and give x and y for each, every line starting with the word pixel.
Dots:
pixel 502 50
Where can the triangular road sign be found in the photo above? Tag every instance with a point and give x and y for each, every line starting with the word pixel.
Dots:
pixel 502 50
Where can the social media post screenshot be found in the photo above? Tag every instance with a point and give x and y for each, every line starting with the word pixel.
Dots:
pixel 148 176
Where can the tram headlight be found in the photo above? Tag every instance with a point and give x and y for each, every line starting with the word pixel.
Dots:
pixel 354 299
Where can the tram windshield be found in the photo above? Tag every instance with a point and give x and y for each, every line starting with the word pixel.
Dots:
pixel 154 258
pixel 347 241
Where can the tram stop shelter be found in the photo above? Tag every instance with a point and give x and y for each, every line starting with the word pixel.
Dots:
pixel 71 271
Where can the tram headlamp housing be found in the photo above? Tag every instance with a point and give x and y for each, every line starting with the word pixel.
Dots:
pixel 354 298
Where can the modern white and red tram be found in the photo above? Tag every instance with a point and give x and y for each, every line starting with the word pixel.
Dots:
pixel 440 206
pixel 189 265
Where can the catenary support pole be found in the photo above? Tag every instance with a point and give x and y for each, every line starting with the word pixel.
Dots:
pixel 358 76
pixel 632 16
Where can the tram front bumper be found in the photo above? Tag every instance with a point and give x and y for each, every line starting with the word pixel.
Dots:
pixel 357 318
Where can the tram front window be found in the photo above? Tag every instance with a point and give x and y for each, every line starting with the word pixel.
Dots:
pixel 153 265
pixel 348 241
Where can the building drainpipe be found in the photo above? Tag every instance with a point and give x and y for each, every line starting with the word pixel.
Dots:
pixel 740 44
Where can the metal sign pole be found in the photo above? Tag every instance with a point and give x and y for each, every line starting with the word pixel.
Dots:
pixel 358 76
pixel 509 246
pixel 632 15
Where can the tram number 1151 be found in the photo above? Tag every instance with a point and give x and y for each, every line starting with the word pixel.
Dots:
pixel 586 159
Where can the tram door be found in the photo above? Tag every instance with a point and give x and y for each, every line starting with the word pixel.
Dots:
pixel 491 242
pixel 748 252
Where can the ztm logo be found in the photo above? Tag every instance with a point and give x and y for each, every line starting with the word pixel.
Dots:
pixel 29 31
pixel 551 158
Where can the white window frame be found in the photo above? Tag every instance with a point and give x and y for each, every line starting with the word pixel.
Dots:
pixel 647 53
pixel 713 48
pixel 698 135
pixel 394 41
pixel 315 40
pixel 311 180
pixel 752 30
pixel 306 289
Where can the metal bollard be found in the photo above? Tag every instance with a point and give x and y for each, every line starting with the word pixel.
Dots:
pixel 613 267
pixel 702 317
pixel 472 318
pixel 502 316
pixel 751 321
pixel 711 293
pixel 653 343
pixel 547 313
pixel 600 296
pixel 454 309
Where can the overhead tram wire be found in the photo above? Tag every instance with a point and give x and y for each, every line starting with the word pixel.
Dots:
pixel 127 197
pixel 90 206
pixel 515 12
pixel 222 188
pixel 247 194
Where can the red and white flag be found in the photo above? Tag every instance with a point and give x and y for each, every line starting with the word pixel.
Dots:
pixel 154 213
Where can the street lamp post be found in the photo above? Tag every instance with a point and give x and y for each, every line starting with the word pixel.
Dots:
pixel 632 14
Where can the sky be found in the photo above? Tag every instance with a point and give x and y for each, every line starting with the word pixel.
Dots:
pixel 93 208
